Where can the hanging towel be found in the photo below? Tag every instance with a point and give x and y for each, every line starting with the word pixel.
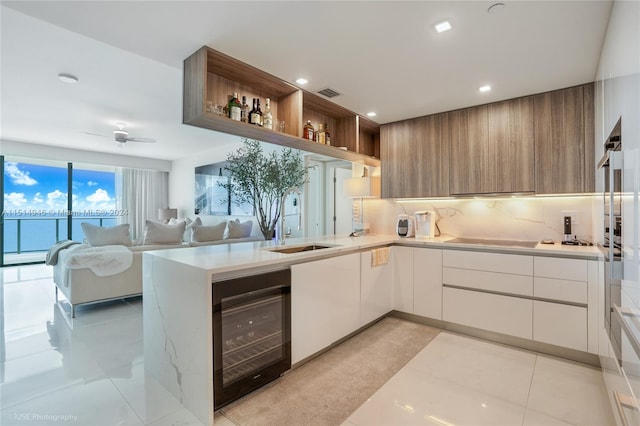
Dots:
pixel 380 256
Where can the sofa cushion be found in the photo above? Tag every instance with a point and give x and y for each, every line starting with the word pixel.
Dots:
pixel 239 230
pixel 106 235
pixel 201 233
pixel 189 225
pixel 160 233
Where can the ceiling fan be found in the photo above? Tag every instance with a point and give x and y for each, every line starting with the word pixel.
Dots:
pixel 122 136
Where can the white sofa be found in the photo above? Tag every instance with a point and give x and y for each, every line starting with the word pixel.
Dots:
pixel 83 286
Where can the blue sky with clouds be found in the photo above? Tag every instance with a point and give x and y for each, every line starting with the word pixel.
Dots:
pixel 44 188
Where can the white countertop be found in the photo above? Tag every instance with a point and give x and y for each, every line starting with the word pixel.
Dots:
pixel 226 259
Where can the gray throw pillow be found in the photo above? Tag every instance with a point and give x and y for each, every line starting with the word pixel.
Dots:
pixel 239 230
pixel 201 233
pixel 104 235
pixel 160 233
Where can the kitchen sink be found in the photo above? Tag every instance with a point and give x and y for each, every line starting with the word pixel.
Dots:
pixel 299 249
pixel 487 242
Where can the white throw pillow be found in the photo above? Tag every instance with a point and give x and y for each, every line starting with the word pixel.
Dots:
pixel 239 230
pixel 202 233
pixel 104 235
pixel 189 224
pixel 160 233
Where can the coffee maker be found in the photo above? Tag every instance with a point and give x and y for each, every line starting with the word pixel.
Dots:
pixel 405 225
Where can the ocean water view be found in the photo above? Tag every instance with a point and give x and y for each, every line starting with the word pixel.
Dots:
pixel 28 234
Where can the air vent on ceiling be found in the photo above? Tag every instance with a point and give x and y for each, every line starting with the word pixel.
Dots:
pixel 328 92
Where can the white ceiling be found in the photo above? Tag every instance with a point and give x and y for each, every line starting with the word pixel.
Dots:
pixel 383 56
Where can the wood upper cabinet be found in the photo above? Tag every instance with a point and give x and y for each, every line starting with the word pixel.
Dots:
pixel 492 148
pixel 414 158
pixel 211 77
pixel 564 141
pixel 511 134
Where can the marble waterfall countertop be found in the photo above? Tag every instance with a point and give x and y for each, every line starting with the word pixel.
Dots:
pixel 229 260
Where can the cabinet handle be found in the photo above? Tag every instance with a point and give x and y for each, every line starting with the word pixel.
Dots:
pixel 624 401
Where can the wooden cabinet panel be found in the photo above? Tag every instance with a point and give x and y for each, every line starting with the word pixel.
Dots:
pixel 511 136
pixel 470 169
pixel 414 155
pixel 562 133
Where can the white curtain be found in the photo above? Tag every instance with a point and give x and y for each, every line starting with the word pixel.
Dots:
pixel 140 193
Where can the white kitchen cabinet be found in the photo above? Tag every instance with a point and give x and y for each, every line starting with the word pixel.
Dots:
pixel 427 282
pixel 325 303
pixel 402 258
pixel 486 261
pixel 560 268
pixel 558 324
pixel 490 281
pixel 493 312
pixel 376 287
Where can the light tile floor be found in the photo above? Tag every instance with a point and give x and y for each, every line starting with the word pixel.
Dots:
pixel 55 370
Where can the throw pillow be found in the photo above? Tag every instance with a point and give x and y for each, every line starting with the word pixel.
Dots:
pixel 202 233
pixel 239 230
pixel 189 224
pixel 104 235
pixel 160 233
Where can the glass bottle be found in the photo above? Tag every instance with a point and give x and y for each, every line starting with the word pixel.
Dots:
pixel 267 118
pixel 235 107
pixel 244 112
pixel 308 131
pixel 254 116
pixel 320 135
pixel 327 135
pixel 259 111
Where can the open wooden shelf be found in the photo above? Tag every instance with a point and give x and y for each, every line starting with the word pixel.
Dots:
pixel 212 76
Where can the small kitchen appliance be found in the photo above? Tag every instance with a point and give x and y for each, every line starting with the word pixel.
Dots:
pixel 425 224
pixel 405 225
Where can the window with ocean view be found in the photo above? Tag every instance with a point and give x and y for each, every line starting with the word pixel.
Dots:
pixel 36 208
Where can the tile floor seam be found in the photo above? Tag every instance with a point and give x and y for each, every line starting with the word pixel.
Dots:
pixel 130 405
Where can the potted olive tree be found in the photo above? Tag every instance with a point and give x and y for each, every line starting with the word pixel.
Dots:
pixel 262 180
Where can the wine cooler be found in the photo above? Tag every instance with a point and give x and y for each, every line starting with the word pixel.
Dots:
pixel 251 333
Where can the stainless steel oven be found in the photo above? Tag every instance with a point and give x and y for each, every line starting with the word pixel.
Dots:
pixel 251 333
pixel 612 166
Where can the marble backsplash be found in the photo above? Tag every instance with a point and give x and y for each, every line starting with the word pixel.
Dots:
pixel 526 218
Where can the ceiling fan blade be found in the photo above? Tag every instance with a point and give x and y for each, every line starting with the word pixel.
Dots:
pixel 94 134
pixel 145 140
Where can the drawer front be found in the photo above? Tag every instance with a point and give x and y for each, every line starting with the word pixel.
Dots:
pixel 561 290
pixel 502 314
pixel 492 281
pixel 560 325
pixel 563 269
pixel 491 262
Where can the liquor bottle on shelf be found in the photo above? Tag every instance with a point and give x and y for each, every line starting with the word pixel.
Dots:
pixel 320 135
pixel 234 107
pixel 308 131
pixel 255 116
pixel 244 112
pixel 327 135
pixel 267 118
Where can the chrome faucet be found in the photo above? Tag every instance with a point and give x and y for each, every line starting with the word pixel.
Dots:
pixel 283 227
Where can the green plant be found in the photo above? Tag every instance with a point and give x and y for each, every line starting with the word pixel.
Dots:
pixel 262 179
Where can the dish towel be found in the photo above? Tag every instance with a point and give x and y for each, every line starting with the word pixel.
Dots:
pixel 380 256
pixel 102 261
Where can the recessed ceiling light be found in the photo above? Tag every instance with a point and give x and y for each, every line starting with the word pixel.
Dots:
pixel 443 26
pixel 371 114
pixel 486 88
pixel 302 81
pixel 68 78
pixel 495 7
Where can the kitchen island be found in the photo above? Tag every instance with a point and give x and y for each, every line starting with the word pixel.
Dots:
pixel 177 289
